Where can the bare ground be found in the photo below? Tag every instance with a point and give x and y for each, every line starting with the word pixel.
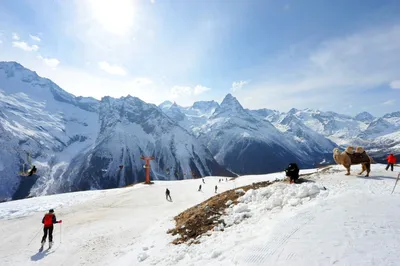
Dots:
pixel 200 219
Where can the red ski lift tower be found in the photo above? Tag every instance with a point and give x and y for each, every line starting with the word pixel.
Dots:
pixel 147 166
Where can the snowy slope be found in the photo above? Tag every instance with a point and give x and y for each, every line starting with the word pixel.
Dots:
pixel 353 222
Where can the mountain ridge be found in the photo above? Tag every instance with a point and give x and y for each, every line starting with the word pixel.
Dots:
pixel 78 143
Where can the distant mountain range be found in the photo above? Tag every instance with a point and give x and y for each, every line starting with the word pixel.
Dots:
pixel 79 143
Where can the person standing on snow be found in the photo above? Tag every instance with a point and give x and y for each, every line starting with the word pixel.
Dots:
pixel 199 188
pixel 203 181
pixel 167 194
pixel 292 171
pixel 391 161
pixel 48 220
pixel 216 188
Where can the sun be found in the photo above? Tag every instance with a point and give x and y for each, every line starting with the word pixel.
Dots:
pixel 116 17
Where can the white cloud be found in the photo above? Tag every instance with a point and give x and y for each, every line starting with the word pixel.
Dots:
pixel 35 38
pixel 238 85
pixel 395 84
pixel 179 91
pixel 152 1
pixel 112 69
pixel 389 102
pixel 51 62
pixel 15 36
pixel 24 46
pixel 143 81
pixel 200 89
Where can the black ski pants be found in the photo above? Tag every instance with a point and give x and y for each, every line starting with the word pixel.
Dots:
pixel 50 231
pixel 391 166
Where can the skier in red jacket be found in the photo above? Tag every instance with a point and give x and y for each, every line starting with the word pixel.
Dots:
pixel 48 220
pixel 391 161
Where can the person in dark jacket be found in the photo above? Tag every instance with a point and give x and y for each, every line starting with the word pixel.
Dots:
pixel 292 171
pixel 32 171
pixel 48 220
pixel 167 195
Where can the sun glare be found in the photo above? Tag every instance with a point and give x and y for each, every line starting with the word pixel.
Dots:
pixel 115 16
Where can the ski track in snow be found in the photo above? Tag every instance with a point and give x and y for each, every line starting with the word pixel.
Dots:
pixel 354 222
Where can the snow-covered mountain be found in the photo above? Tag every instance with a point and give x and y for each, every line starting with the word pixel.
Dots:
pixel 363 129
pixel 78 143
pixel 364 117
pixel 307 139
pixel 130 128
pixel 245 142
pixel 314 130
pixel 192 117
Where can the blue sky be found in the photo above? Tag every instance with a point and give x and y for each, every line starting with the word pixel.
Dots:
pixel 331 55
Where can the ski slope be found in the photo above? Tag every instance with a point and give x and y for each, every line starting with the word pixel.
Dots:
pixel 354 222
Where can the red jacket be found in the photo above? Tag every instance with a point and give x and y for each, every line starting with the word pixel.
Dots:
pixel 49 219
pixel 391 159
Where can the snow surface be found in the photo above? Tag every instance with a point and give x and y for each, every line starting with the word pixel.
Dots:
pixel 353 222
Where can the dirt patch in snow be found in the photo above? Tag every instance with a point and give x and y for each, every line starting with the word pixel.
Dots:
pixel 200 219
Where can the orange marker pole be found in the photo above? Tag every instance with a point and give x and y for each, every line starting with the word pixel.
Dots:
pixel 147 166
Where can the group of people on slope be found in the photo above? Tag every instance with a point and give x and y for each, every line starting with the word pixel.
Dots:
pixel 292 172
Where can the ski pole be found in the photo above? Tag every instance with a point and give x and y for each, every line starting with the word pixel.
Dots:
pixel 35 236
pixel 398 176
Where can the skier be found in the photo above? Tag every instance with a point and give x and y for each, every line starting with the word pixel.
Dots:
pixel 167 195
pixel 199 188
pixel 48 220
pixel 216 188
pixel 391 161
pixel 292 171
pixel 203 181
pixel 32 171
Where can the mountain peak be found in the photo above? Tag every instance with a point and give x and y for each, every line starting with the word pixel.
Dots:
pixel 230 101
pixel 229 104
pixel 293 111
pixel 364 117
pixel 165 105
pixel 390 115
